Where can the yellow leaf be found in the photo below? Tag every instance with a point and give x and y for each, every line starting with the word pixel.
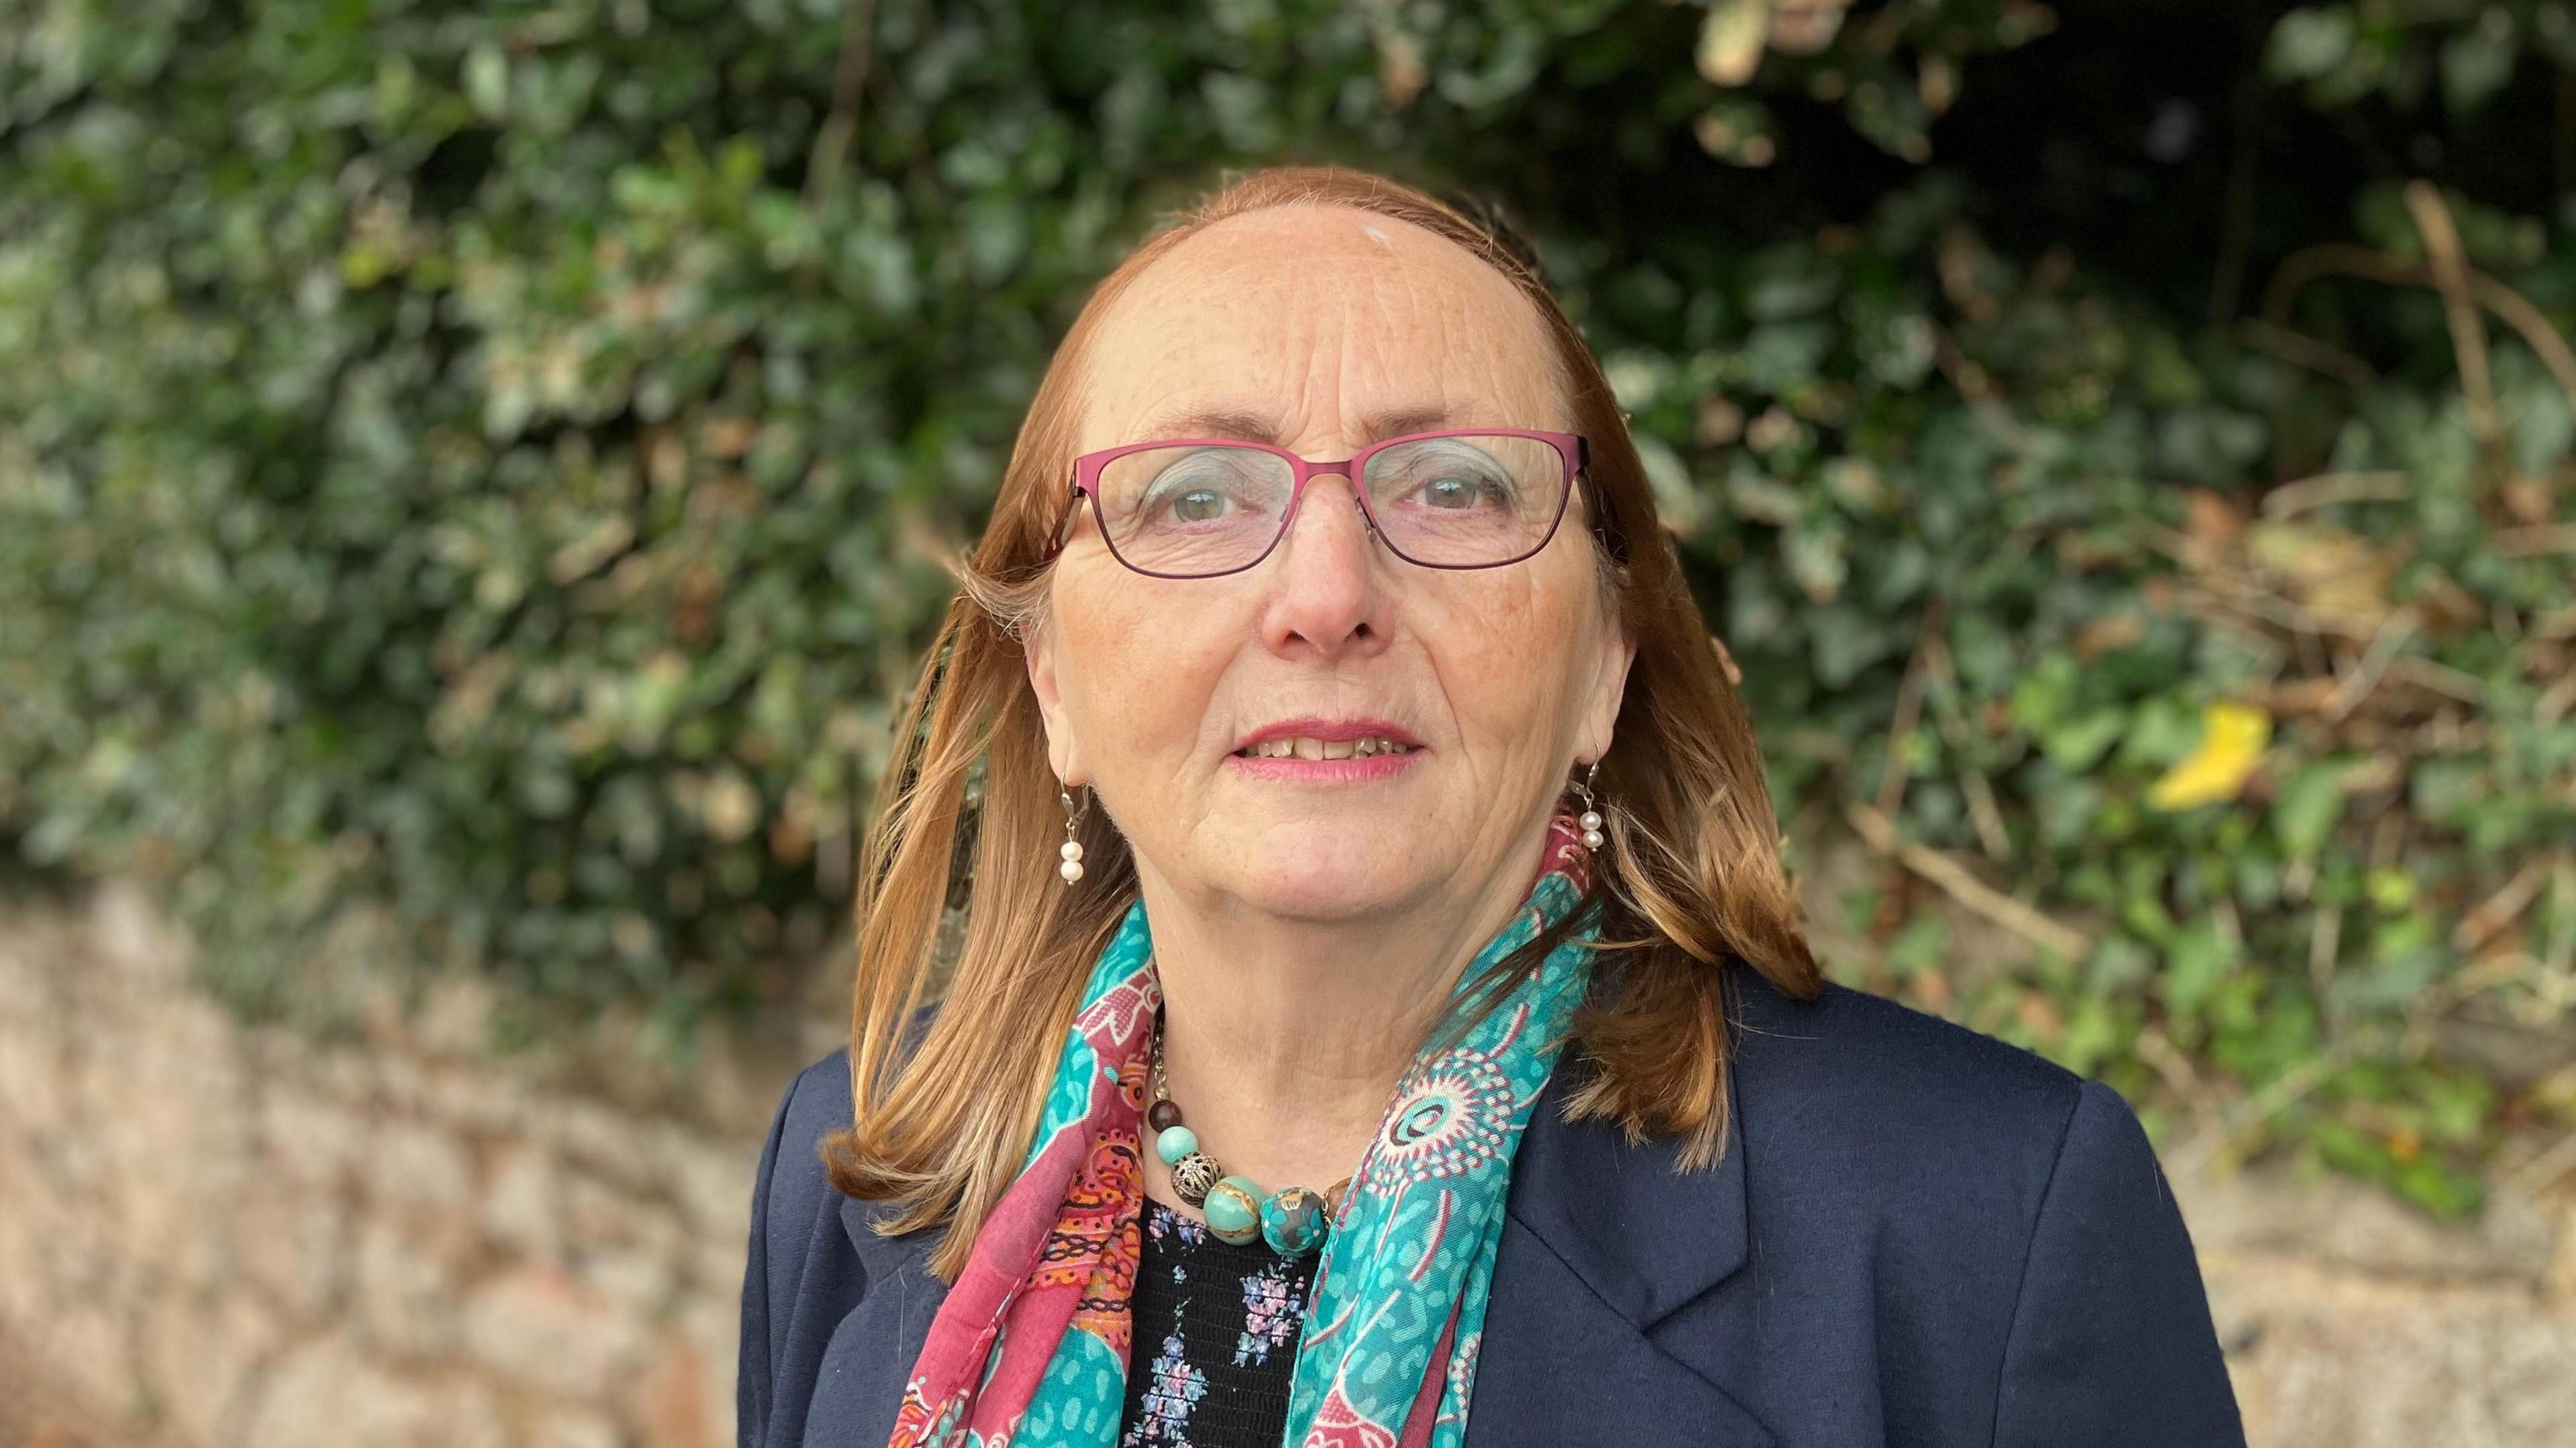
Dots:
pixel 2232 737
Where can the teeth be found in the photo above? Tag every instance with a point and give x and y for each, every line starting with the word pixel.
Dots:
pixel 1302 747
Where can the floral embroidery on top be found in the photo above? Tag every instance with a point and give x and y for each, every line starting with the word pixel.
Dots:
pixel 1173 1387
pixel 1272 1309
pixel 1164 1222
pixel 1232 1314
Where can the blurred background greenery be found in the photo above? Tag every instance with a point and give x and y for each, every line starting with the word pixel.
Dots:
pixel 491 459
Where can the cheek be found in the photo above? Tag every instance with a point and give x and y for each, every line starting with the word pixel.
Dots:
pixel 1508 651
pixel 1136 670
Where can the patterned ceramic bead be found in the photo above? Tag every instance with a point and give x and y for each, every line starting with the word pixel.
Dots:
pixel 1193 1175
pixel 1292 1221
pixel 1163 1115
pixel 1174 1142
pixel 1233 1210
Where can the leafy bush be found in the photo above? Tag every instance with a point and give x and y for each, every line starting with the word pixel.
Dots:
pixel 492 458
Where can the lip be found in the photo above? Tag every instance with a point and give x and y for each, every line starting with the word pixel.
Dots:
pixel 1330 731
pixel 1327 771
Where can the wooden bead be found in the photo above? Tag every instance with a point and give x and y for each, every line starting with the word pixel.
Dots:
pixel 1163 1115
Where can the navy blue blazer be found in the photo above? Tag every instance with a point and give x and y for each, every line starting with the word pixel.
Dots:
pixel 1919 1235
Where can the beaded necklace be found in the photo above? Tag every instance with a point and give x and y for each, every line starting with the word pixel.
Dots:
pixel 1293 1220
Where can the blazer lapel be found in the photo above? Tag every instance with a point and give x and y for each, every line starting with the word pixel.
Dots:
pixel 1603 1246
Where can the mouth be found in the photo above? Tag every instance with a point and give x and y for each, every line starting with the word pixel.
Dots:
pixel 1326 750
pixel 1307 746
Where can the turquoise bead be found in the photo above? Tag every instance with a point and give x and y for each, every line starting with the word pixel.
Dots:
pixel 1174 1142
pixel 1233 1210
pixel 1293 1222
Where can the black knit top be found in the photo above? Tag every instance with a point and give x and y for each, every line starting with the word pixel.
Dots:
pixel 1215 1337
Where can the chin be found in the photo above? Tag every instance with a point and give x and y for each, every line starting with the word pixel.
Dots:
pixel 1330 873
pixel 1322 900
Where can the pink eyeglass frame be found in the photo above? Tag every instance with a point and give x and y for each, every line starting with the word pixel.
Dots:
pixel 1571 448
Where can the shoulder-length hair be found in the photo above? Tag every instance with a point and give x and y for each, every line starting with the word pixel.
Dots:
pixel 968 816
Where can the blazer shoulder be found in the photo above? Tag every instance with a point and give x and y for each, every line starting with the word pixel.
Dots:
pixel 794 1190
pixel 1859 1071
pixel 1887 1040
pixel 816 1104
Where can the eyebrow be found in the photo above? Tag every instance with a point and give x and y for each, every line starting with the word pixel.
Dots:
pixel 1251 426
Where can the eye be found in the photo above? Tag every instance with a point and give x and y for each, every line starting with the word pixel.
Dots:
pixel 1204 487
pixel 1198 505
pixel 1456 484
pixel 1453 492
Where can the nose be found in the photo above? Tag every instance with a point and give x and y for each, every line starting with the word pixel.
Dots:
pixel 1328 594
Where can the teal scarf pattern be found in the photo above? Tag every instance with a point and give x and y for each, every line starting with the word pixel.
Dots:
pixel 1032 1345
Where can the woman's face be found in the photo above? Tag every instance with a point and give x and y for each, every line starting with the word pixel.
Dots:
pixel 1320 319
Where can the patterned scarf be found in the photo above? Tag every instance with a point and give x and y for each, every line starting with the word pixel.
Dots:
pixel 1031 1347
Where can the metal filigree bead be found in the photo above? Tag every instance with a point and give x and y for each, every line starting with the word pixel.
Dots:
pixel 1193 1176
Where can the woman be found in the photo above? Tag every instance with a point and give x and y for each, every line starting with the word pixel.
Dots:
pixel 1381 1015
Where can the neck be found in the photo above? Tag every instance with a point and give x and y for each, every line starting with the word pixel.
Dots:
pixel 1284 1038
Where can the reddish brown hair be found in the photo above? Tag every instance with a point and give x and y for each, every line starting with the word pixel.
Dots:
pixel 1689 885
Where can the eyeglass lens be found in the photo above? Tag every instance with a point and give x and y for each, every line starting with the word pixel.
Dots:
pixel 1458 501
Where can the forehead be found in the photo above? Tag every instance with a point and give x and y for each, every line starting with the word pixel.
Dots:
pixel 1318 320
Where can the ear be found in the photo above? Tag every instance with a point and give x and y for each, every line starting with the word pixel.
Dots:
pixel 1609 688
pixel 1038 645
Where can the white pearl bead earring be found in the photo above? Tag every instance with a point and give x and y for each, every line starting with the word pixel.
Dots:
pixel 1590 819
pixel 1071 849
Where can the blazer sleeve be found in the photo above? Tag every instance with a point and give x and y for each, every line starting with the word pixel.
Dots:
pixel 756 1375
pixel 2111 1341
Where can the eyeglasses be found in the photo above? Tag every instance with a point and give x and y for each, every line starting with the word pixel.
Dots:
pixel 1202 507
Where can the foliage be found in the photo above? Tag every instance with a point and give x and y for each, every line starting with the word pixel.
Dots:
pixel 492 457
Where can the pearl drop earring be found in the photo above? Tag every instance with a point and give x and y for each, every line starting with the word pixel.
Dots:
pixel 1071 850
pixel 1590 819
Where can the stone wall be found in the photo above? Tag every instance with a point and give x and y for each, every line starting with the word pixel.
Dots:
pixel 212 1236
pixel 2353 1321
pixel 219 1237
